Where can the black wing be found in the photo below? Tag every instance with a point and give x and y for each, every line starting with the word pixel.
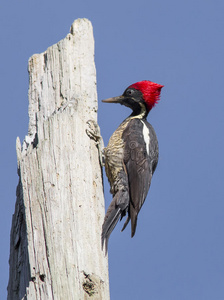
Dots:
pixel 140 160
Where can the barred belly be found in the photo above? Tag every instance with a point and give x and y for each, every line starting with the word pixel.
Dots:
pixel 114 153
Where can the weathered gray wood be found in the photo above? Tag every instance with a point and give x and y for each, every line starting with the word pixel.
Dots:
pixel 55 250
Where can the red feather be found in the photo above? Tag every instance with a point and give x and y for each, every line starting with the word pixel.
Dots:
pixel 150 90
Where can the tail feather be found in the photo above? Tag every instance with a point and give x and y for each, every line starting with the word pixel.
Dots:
pixel 112 216
pixel 133 216
pixel 126 223
pixel 117 209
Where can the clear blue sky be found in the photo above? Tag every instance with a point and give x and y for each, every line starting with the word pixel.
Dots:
pixel 178 250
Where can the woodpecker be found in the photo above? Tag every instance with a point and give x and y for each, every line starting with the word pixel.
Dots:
pixel 131 157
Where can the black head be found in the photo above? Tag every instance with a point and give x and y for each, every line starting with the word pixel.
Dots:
pixel 131 98
pixel 140 97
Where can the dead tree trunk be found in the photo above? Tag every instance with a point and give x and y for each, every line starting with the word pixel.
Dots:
pixel 55 250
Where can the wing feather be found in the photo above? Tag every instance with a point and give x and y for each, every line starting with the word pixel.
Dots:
pixel 140 165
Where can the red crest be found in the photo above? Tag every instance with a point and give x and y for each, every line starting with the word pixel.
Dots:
pixel 150 90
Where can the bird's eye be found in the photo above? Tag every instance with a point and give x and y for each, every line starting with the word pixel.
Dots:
pixel 129 92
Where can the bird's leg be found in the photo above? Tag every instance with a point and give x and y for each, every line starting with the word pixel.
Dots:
pixel 93 132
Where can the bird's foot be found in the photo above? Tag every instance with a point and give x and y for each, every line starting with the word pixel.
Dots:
pixel 93 132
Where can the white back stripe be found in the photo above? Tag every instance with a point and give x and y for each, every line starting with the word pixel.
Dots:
pixel 146 136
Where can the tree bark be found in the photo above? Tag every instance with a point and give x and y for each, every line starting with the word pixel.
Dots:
pixel 55 247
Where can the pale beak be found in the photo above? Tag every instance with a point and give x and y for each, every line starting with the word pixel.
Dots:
pixel 118 99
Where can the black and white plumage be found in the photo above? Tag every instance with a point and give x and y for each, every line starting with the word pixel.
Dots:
pixel 131 157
